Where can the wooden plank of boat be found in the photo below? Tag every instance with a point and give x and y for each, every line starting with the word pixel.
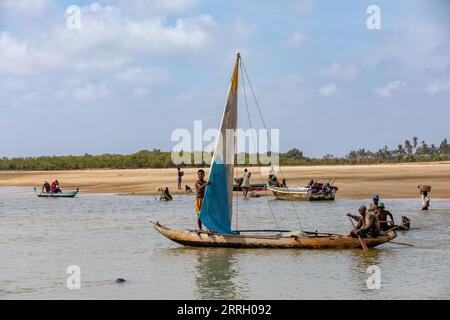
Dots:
pixel 280 241
pixel 68 194
pixel 254 186
pixel 301 194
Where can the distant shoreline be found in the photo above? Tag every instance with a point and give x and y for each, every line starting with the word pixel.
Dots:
pixel 354 181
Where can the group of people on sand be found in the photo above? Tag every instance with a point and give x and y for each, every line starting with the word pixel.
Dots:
pixel 372 221
pixel 53 188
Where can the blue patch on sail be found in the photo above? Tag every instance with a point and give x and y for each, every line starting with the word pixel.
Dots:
pixel 214 213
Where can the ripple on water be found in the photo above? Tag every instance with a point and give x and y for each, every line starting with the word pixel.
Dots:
pixel 110 237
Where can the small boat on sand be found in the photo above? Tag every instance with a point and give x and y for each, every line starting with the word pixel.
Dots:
pixel 282 239
pixel 302 193
pixel 67 194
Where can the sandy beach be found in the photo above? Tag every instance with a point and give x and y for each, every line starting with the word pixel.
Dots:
pixel 357 181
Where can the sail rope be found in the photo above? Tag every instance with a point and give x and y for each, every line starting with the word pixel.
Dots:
pixel 267 132
pixel 254 143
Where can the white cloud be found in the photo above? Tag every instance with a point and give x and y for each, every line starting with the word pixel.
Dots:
pixel 144 76
pixel 339 71
pixel 27 8
pixel 303 7
pixel 437 87
pixel 297 39
pixel 242 30
pixel 19 58
pixel 328 89
pixel 389 89
pixel 156 7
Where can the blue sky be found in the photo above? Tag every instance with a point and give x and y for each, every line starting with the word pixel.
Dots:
pixel 137 70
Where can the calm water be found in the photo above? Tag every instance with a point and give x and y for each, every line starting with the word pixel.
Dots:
pixel 110 237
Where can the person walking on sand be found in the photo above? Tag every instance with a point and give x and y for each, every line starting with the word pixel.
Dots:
pixel 246 182
pixel 180 177
pixel 200 187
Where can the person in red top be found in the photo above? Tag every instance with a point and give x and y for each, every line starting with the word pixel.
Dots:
pixel 55 187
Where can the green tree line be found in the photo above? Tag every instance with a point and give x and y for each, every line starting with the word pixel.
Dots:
pixel 409 151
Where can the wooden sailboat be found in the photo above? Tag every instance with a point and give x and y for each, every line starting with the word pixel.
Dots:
pixel 216 211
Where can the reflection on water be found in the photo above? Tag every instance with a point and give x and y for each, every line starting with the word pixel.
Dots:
pixel 110 237
pixel 215 274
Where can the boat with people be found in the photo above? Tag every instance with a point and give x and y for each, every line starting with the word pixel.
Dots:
pixel 282 239
pixel 216 203
pixel 65 194
pixel 314 192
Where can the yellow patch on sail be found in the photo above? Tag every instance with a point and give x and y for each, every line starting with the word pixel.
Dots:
pixel 234 81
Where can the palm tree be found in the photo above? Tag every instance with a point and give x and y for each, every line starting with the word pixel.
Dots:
pixel 408 147
pixel 414 139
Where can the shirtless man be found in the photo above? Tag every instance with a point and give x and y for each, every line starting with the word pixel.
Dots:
pixel 368 224
pixel 200 187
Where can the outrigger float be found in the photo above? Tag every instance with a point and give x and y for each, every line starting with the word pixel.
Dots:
pixel 216 211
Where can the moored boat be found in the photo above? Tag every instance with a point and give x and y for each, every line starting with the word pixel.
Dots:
pixel 302 193
pixel 67 194
pixel 283 239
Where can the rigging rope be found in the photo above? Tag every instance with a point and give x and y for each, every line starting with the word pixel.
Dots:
pixel 267 132
pixel 254 142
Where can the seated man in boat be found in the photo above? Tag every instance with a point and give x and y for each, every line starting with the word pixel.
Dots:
pixel 382 215
pixel 55 187
pixel 200 187
pixel 368 224
pixel 273 181
pixel 46 187
pixel 283 183
pixel 374 204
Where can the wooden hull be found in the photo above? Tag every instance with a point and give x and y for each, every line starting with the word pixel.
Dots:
pixel 302 195
pixel 320 241
pixel 254 186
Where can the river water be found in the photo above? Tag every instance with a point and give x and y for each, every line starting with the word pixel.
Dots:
pixel 109 237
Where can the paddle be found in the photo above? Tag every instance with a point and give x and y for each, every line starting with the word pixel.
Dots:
pixel 363 245
pixel 403 244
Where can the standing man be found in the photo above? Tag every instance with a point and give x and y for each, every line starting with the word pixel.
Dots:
pixel 424 196
pixel 246 182
pixel 180 177
pixel 200 187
